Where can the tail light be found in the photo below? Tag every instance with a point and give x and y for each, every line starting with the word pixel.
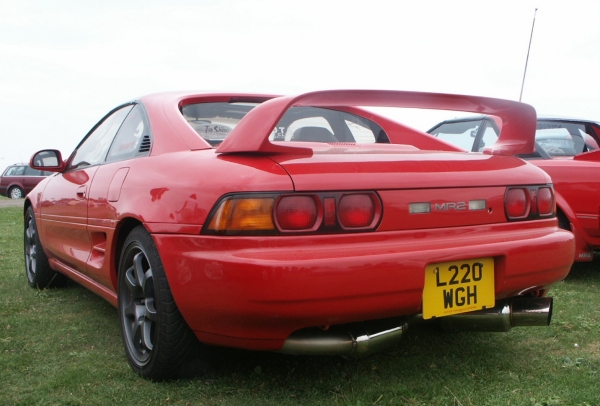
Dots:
pixel 529 202
pixel 545 201
pixel 296 212
pixel 517 203
pixel 243 215
pixel 318 213
pixel 356 211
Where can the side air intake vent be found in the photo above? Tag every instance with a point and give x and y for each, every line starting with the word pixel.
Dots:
pixel 146 144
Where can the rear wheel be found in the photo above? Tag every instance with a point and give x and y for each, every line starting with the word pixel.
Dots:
pixel 16 192
pixel 157 340
pixel 39 273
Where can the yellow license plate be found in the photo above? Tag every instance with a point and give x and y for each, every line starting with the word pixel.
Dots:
pixel 458 287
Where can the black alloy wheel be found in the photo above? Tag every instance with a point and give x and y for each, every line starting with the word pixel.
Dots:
pixel 157 340
pixel 37 267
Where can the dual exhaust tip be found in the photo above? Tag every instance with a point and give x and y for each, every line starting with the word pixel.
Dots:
pixel 362 339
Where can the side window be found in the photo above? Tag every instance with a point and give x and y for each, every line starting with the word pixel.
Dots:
pixel 29 171
pixel 127 142
pixel 93 149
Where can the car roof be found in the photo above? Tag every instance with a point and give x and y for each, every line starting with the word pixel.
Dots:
pixel 564 118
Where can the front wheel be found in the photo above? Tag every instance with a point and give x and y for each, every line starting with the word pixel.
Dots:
pixel 157 340
pixel 37 267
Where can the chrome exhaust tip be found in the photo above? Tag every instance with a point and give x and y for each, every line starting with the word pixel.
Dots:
pixel 508 313
pixel 358 340
pixel 362 339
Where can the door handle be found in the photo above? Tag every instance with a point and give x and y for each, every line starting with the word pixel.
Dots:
pixel 81 192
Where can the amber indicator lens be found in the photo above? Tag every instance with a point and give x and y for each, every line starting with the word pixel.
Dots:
pixel 244 214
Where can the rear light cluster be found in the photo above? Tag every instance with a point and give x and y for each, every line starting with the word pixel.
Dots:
pixel 272 214
pixel 529 202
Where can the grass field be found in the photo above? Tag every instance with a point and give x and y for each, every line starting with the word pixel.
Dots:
pixel 63 347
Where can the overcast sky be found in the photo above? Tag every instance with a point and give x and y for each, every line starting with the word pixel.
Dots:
pixel 64 64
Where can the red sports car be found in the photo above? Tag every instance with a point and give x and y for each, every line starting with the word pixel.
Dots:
pixel 567 149
pixel 306 225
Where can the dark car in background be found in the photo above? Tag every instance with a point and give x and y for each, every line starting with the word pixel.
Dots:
pixel 18 180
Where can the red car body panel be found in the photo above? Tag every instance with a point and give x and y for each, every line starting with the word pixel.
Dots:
pixel 577 191
pixel 255 298
pixel 254 291
pixel 575 183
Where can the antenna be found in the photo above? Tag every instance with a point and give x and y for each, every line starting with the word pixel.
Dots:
pixel 527 60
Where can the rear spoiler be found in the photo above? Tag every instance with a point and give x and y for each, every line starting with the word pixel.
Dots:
pixel 252 133
pixel 593 156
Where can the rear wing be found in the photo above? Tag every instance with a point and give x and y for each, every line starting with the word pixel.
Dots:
pixel 252 133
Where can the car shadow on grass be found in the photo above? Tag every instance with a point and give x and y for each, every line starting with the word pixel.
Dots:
pixel 585 272
pixel 424 349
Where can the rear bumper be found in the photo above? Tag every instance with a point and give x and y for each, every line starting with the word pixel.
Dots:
pixel 253 292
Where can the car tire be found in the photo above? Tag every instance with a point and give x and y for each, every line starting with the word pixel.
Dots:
pixel 563 221
pixel 16 192
pixel 37 267
pixel 158 342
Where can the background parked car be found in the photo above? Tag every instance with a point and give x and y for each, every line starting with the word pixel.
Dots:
pixel 18 180
pixel 567 149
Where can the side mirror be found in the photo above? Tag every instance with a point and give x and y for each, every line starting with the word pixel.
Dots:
pixel 48 160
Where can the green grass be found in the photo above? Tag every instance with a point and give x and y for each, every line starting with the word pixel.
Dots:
pixel 63 347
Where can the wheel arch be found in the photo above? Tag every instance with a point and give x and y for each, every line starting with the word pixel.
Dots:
pixel 568 221
pixel 563 209
pixel 13 186
pixel 124 227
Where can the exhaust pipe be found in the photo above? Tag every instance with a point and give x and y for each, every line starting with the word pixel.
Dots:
pixel 358 340
pixel 508 313
pixel 362 339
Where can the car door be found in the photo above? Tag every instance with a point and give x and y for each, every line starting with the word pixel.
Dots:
pixel 64 201
pixel 133 140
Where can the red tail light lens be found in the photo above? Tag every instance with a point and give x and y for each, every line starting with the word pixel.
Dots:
pixel 516 203
pixel 529 202
pixel 357 210
pixel 296 212
pixel 272 213
pixel 545 201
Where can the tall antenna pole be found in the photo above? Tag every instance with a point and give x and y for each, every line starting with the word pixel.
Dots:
pixel 527 60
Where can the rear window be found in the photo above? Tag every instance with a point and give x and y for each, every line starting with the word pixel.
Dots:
pixel 312 124
pixel 215 121
pixel 460 133
pixel 561 138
